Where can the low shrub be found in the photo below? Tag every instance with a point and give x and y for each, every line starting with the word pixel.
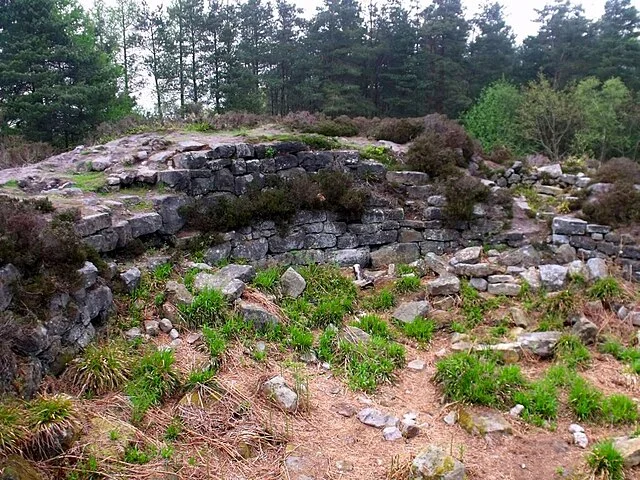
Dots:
pixel 572 352
pixel 382 300
pixel 215 342
pixel 585 400
pixel 619 409
pixel 300 338
pixel 453 135
pixel 618 206
pixel 429 154
pixel 101 368
pixel 398 130
pixel 15 151
pixel 540 401
pixel 619 170
pixel 606 289
pixel 13 429
pixel 52 419
pixel 374 325
pixel 340 127
pixel 462 195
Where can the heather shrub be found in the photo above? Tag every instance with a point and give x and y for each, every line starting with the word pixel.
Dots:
pixel 462 194
pixel 453 135
pixel 16 151
pixel 398 130
pixel 339 127
pixel 619 170
pixel 619 206
pixel 430 154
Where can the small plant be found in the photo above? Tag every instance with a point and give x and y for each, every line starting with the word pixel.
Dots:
pixel 215 342
pixel 326 344
pixel 173 431
pixel 383 300
pixel 101 369
pixel 572 352
pixel 162 272
pixel 605 289
pixel 367 364
pixel 267 280
pixel 207 307
pixel 153 379
pixel 606 461
pixel 300 339
pixel 51 420
pixel 13 430
pixel 199 378
pixel 331 311
pixel 585 400
pixel 619 409
pixel 406 284
pixel 134 454
pixel 540 400
pixel 421 329
pixel 374 325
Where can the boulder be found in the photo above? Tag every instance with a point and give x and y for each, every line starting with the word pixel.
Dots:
pixel 131 279
pixel 152 327
pixel 553 277
pixel 278 392
pixel 474 270
pixel 292 283
pixel 483 423
pixel 391 434
pixel 165 325
pixel 376 418
pixel 8 276
pixel 541 344
pixel 577 268
pixel 88 274
pixel 565 254
pixel 177 293
pixel 354 335
pixel 217 253
pixel 407 312
pixel 552 171
pixel 145 224
pixel 435 464
pixel 597 269
pixel 256 314
pixel 506 289
pixel 468 255
pixel 349 257
pixel 569 226
pixel 585 330
pixel 526 256
pixel 444 285
pixel 532 277
pixel 479 284
pixel 518 317
pixel 92 224
pixel 223 277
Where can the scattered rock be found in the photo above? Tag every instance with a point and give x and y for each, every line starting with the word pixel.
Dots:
pixel 193 338
pixel 526 256
pixel 223 277
pixel 292 283
pixel 416 365
pixel 354 335
pixel 532 277
pixel 391 434
pixel 165 325
pixel 375 418
pixel 580 439
pixel 597 268
pixel 434 464
pixel 577 268
pixel 133 333
pixel 565 253
pixel 173 334
pixel 152 327
pixel 553 277
pixel 344 466
pixel 444 285
pixel 474 270
pixel 407 312
pixel 518 317
pixel 131 279
pixel 506 289
pixel 484 423
pixel 469 255
pixel 345 410
pixel 397 253
pixel 585 329
pixel 479 284
pixel 516 411
pixel 540 343
pixel 408 427
pixel 574 428
pixel 177 293
pixel 629 448
pixel 277 390
pixel 451 418
pixel 256 314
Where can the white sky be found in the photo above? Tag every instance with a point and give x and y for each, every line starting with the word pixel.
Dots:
pixel 520 14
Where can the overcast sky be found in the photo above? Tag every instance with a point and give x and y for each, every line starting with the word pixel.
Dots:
pixel 520 13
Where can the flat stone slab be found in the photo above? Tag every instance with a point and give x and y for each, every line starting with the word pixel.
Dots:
pixel 408 312
pixel 223 277
pixel 484 423
pixel 376 418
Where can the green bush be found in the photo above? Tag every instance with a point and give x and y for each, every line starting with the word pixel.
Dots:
pixel 300 338
pixel 421 329
pixel 618 409
pixel 606 461
pixel 398 130
pixel 340 127
pixel 207 307
pixel 462 194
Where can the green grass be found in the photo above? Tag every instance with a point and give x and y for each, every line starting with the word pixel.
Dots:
pixel 215 342
pixel 585 400
pixel 540 400
pixel 474 307
pixel 162 272
pixel 407 284
pixel 404 269
pixel 101 368
pixel 12 426
pixel 134 454
pixel 630 356
pixel 374 325
pixel 300 338
pixel 421 329
pixel 478 379
pixel 267 280
pixel 605 289
pixel 173 431
pixel 605 461
pixel 385 299
pixel 208 307
pixel 153 379
pixel 189 278
pixel 619 409
pixel 90 181
pixel 10 184
pixel 380 154
pixel 572 352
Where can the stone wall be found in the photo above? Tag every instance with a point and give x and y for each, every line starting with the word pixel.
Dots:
pixel 593 241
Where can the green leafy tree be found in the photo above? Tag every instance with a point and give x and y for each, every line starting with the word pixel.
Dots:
pixel 493 119
pixel 549 118
pixel 492 51
pixel 55 83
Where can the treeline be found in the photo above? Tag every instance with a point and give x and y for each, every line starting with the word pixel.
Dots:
pixel 374 58
pixel 64 70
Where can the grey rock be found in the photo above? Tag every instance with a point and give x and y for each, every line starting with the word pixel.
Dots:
pixel 479 284
pixel 391 434
pixel 277 390
pixel 98 301
pixel 174 334
pixel 320 240
pixel 541 344
pixel 252 250
pixel 189 146
pixel 434 263
pixel 354 335
pixel 106 241
pixel 256 314
pixel 375 418
pixel 168 207
pixel 585 330
pixel 474 270
pixel 407 312
pixel 451 418
pixel 434 463
pixel 577 268
pixel 597 268
pixel 177 293
pixel 223 277
pixel 486 423
pixel 133 333
pixel 131 278
pixel 444 285
pixel 506 289
pixel 217 253
pixel 176 179
pixel 516 411
pixel 629 448
pixel 145 224
pixel 565 254
pixel 165 325
pixel 92 224
pixel 244 150
pixel 518 317
pixel 416 365
pixel 407 178
pixel 469 255
pixel 292 283
pixel 553 277
pixel 569 226
pixel 501 279
pixel 526 256
pixel 349 257
pixel 553 171
pixel 152 327
pixel 8 276
pixel 398 253
pixel 408 426
pixel 580 439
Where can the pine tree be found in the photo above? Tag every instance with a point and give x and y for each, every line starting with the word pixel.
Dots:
pixel 55 83
pixel 443 43
pixel 124 16
pixel 492 51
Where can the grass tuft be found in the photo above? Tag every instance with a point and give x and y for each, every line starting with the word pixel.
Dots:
pixel 101 369
pixel 208 307
pixel 605 461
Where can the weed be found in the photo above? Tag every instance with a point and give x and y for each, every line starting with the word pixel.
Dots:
pixel 406 284
pixel 572 352
pixel 153 379
pixel 382 300
pixel 189 278
pixel 136 455
pixel 631 355
pixel 560 375
pixel 90 182
pixel 300 338
pixel 215 342
pixel 267 280
pixel 12 428
pixel 326 344
pixel 605 289
pixel 367 364
pixel 478 379
pixel 540 400
pixel 50 419
pixel 162 272
pixel 207 307
pixel 331 311
pixel 199 377
pixel 421 329
pixel 101 368
pixel 114 435
pixel 619 409
pixel 173 431
pixel 374 325
pixel 585 400
pixel 383 155
pixel 606 461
